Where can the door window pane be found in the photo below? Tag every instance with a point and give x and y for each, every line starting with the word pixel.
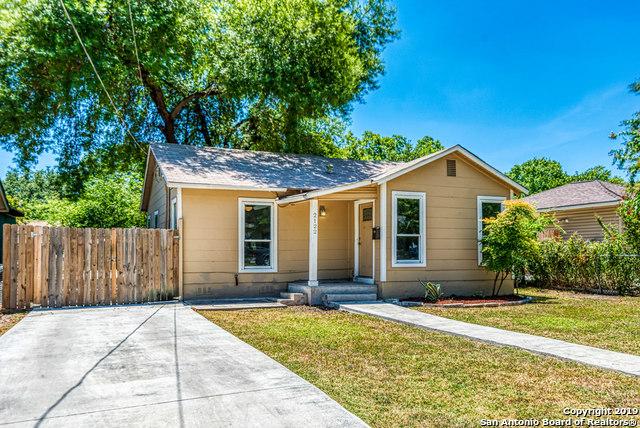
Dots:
pixel 367 214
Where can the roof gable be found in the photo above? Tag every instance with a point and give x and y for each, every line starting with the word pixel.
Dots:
pixel 578 195
pixel 420 162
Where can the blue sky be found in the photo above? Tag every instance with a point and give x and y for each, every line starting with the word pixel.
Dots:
pixel 509 80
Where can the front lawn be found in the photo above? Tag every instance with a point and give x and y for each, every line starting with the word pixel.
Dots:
pixel 609 322
pixel 395 375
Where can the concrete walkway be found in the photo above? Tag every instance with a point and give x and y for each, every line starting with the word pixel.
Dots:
pixel 625 363
pixel 148 366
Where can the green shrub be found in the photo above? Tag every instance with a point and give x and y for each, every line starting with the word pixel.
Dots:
pixel 629 212
pixel 578 264
pixel 432 292
pixel 510 241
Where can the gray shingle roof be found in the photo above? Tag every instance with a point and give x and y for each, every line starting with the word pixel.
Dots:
pixel 580 193
pixel 265 170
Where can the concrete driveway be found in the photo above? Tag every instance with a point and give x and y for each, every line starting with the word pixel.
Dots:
pixel 148 365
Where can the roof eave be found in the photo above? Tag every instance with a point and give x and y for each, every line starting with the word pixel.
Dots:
pixel 322 192
pixel 581 206
pixel 183 185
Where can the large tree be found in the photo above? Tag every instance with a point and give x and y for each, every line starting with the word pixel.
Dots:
pixel 263 74
pixel 539 174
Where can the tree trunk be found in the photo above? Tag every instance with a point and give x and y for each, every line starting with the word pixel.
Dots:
pixel 501 282
pixel 202 119
pixel 169 131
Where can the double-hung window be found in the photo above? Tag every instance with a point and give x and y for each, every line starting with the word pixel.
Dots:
pixel 257 220
pixel 408 227
pixel 488 207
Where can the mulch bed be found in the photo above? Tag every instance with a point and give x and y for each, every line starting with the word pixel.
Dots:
pixel 466 301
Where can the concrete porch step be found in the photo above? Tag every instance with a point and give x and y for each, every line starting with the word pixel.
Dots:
pixel 335 288
pixel 350 297
pixel 292 299
pixel 347 291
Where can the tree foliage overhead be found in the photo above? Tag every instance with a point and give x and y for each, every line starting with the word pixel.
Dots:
pixel 255 74
pixel 539 174
pixel 372 146
pixel 628 155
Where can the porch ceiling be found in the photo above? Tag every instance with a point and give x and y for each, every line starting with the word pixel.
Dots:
pixel 347 193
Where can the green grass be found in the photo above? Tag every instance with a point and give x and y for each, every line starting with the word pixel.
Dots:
pixel 609 322
pixel 9 320
pixel 394 375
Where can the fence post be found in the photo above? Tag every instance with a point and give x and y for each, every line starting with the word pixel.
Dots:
pixel 6 259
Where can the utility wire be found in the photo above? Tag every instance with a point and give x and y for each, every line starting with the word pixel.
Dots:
pixel 95 70
pixel 135 43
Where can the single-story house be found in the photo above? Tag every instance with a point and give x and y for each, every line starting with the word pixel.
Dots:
pixel 7 215
pixel 577 207
pixel 253 222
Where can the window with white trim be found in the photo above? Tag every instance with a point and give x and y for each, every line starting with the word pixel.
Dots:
pixel 408 229
pixel 155 219
pixel 488 207
pixel 174 213
pixel 257 235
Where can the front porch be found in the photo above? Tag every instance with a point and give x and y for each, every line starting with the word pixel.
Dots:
pixel 344 235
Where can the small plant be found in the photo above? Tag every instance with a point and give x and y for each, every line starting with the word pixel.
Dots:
pixel 432 292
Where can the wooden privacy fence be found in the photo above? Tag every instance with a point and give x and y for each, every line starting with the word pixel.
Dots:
pixel 62 266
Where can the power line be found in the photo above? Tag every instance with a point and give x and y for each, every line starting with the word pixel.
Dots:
pixel 135 43
pixel 95 70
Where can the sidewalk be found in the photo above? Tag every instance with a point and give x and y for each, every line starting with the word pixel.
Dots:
pixel 618 361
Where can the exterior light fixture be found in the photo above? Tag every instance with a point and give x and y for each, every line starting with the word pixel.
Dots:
pixel 323 211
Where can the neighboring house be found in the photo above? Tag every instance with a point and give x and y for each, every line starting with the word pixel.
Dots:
pixel 251 222
pixel 577 207
pixel 7 215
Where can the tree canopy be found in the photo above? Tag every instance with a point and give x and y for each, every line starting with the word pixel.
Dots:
pixel 255 74
pixel 627 156
pixel 539 174
pixel 372 146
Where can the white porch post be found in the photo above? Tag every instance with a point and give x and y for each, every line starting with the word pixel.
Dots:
pixel 383 232
pixel 313 242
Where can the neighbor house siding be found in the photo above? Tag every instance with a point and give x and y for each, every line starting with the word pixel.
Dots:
pixel 451 231
pixel 584 222
pixel 158 201
pixel 210 221
pixel 4 219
